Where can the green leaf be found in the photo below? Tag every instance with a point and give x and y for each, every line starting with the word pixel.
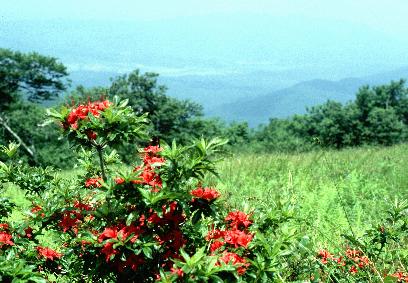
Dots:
pixel 216 279
pixel 132 217
pixel 390 279
pixel 185 256
pixel 147 251
pixel 124 103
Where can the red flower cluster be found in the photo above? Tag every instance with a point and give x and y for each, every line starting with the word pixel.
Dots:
pixel 168 232
pixel 238 220
pixel 93 182
pixel 234 259
pixel 235 236
pixel 150 155
pixel 177 271
pixel 5 236
pixel 324 256
pixel 151 159
pixel 37 208
pixel 353 258
pixel 81 113
pixel 47 253
pixel 358 257
pixel 165 228
pixel 119 181
pixel 401 276
pixel 71 218
pixel 207 194
pixel 121 233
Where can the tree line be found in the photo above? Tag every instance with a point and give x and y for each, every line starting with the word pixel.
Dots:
pixel 30 81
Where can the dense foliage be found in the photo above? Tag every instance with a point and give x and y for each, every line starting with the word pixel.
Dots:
pixel 377 116
pixel 156 222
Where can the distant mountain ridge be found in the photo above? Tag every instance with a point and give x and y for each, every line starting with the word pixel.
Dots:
pixel 295 99
pixel 254 97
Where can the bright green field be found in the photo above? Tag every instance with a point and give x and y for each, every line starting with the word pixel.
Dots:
pixel 331 190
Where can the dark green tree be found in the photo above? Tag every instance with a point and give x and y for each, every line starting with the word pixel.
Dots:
pixel 383 126
pixel 170 117
pixel 26 78
pixel 34 76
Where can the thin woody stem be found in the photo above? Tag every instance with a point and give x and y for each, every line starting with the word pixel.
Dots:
pixel 99 148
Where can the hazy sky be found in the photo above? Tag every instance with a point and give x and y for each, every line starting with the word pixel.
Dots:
pixel 289 34
pixel 384 15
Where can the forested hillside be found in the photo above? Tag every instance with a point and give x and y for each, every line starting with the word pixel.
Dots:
pixel 372 115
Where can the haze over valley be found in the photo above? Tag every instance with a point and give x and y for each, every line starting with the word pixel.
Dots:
pixel 242 64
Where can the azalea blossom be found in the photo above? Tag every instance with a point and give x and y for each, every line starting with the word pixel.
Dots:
pixel 81 113
pixel 93 182
pixel 234 259
pixel 208 194
pixel 47 253
pixel 5 239
pixel 238 220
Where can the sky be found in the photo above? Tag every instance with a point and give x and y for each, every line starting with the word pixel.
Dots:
pixel 383 15
pixel 342 38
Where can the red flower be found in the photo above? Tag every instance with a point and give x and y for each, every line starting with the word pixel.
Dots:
pixel 36 209
pixel 238 238
pixel 400 276
pixel 216 245
pixel 82 206
pixel 148 177
pixel 353 270
pixel 177 271
pixel 234 259
pixel 4 226
pixel 133 261
pixel 81 112
pixel 93 182
pixel 47 253
pixel 108 233
pixel 70 220
pixel 208 194
pixel 154 218
pixel 363 261
pixel 28 232
pixel 91 135
pixel 353 253
pixel 5 239
pixel 214 234
pixel 119 181
pixel 128 231
pixel 324 255
pixel 151 156
pixel 238 220
pixel 109 251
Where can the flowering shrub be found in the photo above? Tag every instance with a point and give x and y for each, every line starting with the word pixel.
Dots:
pixel 155 222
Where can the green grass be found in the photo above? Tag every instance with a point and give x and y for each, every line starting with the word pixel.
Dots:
pixel 332 190
pixel 335 191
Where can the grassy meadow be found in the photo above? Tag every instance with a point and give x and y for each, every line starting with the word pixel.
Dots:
pixel 332 192
pixel 324 193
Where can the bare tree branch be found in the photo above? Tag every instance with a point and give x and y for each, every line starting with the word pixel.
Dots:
pixel 17 137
